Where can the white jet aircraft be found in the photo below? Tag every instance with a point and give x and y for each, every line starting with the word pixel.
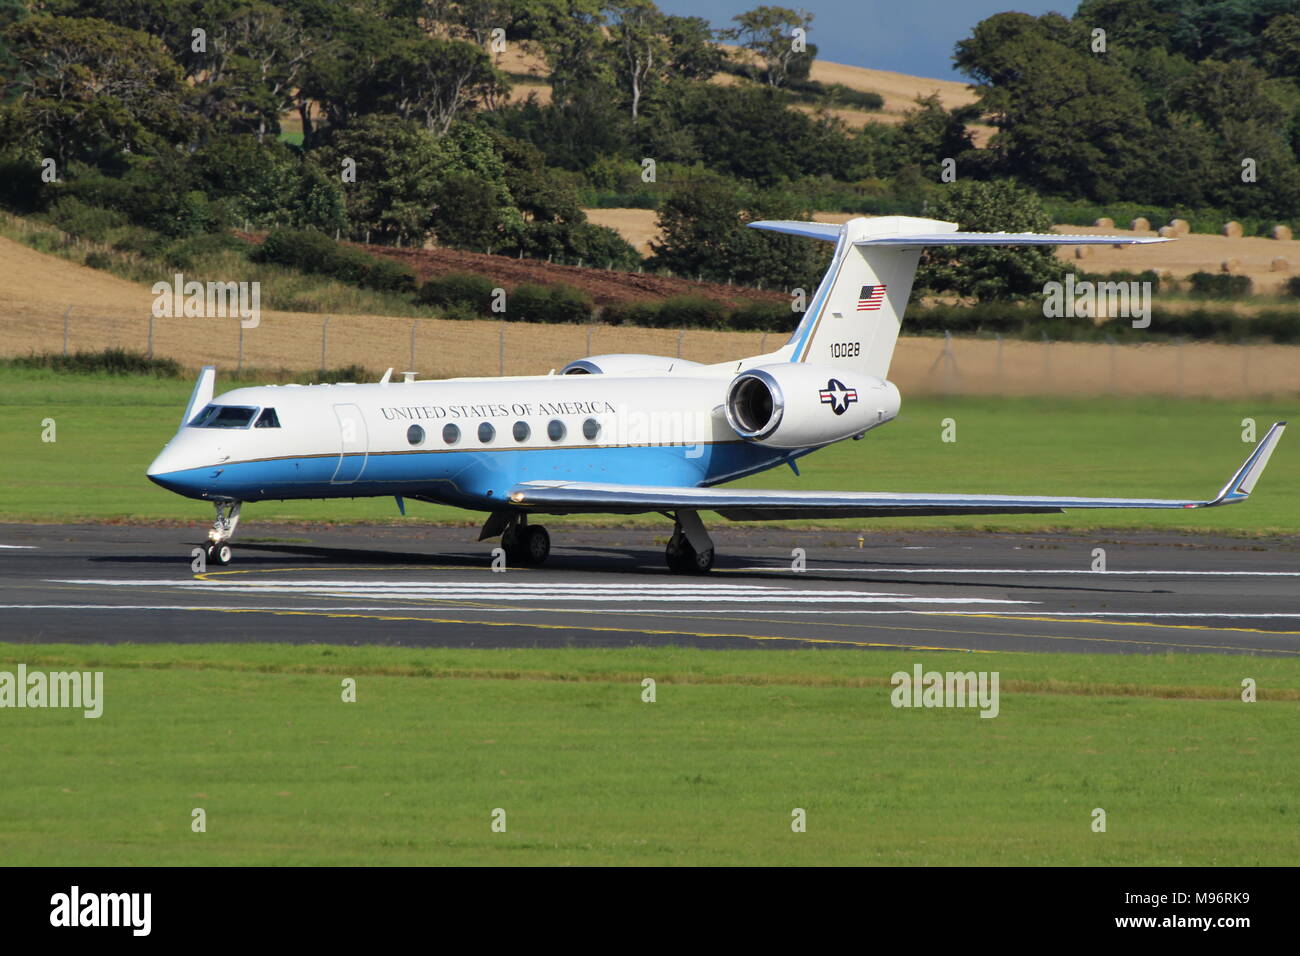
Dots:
pixel 616 434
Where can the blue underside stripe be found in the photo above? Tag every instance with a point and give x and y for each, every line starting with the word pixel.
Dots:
pixel 473 479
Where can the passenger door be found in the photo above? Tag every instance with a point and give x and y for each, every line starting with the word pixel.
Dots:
pixel 354 444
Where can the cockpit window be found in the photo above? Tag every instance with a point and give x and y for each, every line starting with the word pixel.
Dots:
pixel 268 419
pixel 224 416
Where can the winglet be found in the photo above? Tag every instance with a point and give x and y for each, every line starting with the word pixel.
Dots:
pixel 1241 484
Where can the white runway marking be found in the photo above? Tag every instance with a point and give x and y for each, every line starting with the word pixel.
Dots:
pixel 1018 615
pixel 19 547
pixel 532 592
pixel 1080 571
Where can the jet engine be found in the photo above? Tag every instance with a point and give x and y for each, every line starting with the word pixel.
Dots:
pixel 625 364
pixel 793 405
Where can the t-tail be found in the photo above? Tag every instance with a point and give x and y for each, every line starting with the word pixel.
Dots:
pixel 854 318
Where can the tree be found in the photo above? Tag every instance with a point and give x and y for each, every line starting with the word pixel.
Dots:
pixel 767 33
pixel 990 272
pixel 642 47
pixel 1280 46
pixel 703 232
pixel 930 133
pixel 1069 123
pixel 92 90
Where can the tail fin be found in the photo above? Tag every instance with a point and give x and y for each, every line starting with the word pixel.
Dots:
pixel 855 316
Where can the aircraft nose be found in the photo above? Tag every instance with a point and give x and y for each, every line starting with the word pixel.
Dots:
pixel 167 470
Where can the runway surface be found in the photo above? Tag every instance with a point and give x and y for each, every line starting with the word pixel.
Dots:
pixel 424 587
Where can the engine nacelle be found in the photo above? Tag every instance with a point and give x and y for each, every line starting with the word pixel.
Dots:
pixel 624 363
pixel 793 405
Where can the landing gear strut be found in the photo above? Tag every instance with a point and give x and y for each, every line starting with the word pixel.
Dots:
pixel 690 549
pixel 223 529
pixel 525 543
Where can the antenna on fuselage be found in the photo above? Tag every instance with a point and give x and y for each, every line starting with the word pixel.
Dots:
pixel 387 376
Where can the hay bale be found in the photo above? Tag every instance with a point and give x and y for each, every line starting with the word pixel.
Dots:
pixel 1282 233
pixel 1232 229
pixel 1278 264
pixel 1230 266
pixel 1140 224
pixel 1166 232
pixel 1105 222
pixel 1180 227
pixel 1082 252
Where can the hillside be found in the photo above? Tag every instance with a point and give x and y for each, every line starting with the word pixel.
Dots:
pixel 1192 253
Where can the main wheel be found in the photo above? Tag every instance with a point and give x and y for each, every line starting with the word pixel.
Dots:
pixel 219 554
pixel 684 559
pixel 512 544
pixel 536 544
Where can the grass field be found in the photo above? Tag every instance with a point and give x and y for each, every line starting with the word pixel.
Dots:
pixel 587 773
pixel 108 430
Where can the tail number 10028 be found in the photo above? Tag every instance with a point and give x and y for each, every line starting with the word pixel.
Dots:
pixel 845 349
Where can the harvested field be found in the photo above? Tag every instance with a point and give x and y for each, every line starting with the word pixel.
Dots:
pixel 107 311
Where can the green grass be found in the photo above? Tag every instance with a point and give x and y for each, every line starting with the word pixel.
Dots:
pixel 587 773
pixel 1142 447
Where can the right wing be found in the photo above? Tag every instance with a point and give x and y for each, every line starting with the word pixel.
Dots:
pixel 582 497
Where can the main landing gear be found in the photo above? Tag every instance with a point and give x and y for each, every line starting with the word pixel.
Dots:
pixel 525 543
pixel 223 529
pixel 690 549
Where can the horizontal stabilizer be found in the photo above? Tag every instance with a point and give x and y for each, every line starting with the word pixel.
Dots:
pixel 907 231
pixel 827 231
pixel 1006 239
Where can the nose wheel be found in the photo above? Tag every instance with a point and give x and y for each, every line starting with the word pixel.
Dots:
pixel 219 554
pixel 223 529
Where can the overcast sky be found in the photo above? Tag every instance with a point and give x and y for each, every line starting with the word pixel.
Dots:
pixel 907 36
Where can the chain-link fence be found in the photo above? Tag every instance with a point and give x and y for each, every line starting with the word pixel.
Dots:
pixel 441 348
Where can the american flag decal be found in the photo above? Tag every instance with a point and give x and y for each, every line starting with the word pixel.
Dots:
pixel 871 297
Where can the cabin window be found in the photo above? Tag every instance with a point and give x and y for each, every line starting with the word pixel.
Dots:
pixel 522 431
pixel 451 434
pixel 224 416
pixel 555 430
pixel 268 419
pixel 486 432
pixel 590 429
pixel 415 435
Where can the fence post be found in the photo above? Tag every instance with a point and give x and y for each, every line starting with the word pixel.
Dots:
pixel 1110 345
pixel 762 345
pixel 324 332
pixel 1178 354
pixel 67 312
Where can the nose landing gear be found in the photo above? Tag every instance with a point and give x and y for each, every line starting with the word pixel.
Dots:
pixel 223 529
